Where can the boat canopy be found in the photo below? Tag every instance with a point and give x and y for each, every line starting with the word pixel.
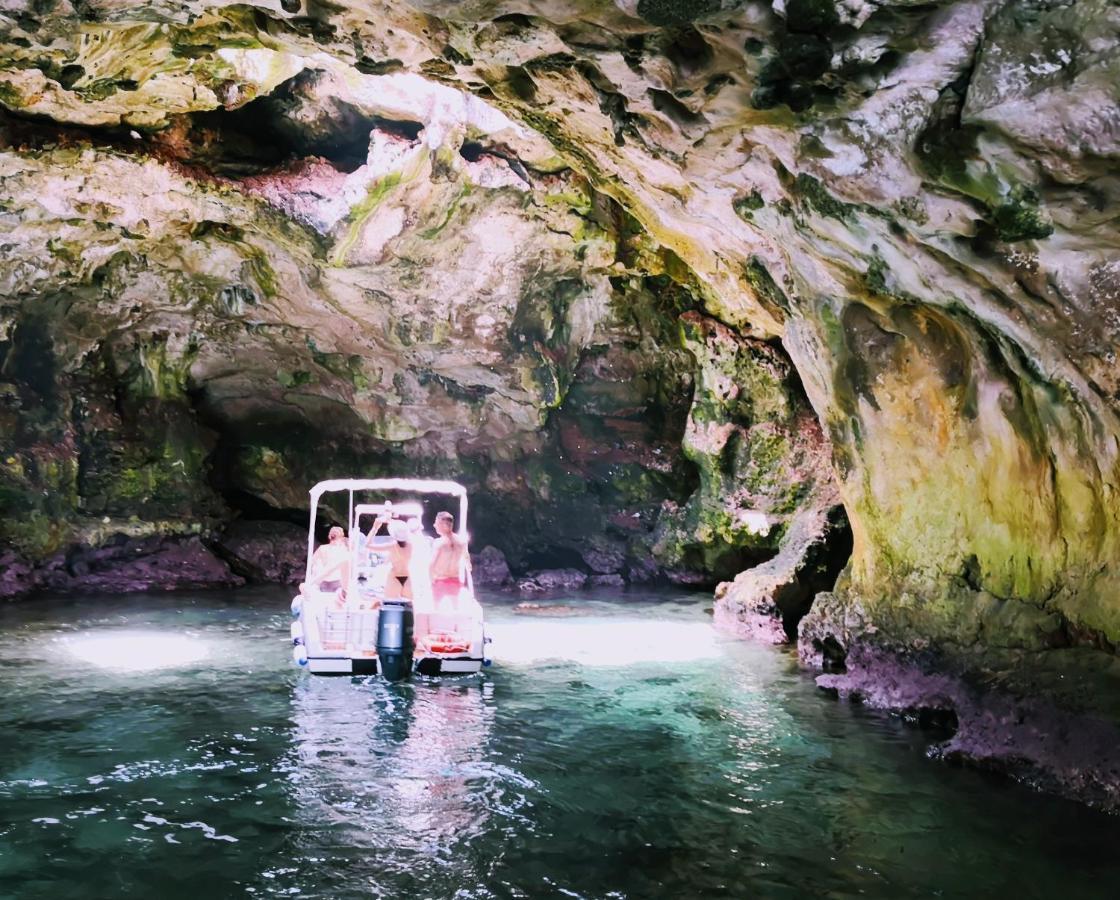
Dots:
pixel 420 485
pixel 402 510
pixel 352 485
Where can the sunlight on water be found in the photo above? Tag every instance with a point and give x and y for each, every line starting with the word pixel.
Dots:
pixel 615 643
pixel 136 651
pixel 167 747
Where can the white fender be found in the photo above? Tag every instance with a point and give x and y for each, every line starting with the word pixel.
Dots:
pixel 297 605
pixel 299 656
pixel 297 632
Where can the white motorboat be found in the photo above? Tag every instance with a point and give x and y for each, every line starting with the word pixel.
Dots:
pixel 350 626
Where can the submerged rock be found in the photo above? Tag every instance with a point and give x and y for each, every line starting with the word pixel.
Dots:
pixel 544 609
pixel 1046 719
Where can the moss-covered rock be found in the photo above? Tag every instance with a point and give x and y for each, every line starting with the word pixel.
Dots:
pixel 676 12
pixel 756 449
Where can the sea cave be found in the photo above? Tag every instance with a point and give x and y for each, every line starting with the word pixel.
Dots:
pixel 773 343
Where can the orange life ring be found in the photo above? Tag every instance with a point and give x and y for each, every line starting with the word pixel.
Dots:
pixel 444 642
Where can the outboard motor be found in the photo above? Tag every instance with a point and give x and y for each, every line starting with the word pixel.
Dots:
pixel 394 639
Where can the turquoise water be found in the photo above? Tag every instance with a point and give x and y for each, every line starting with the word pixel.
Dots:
pixel 166 747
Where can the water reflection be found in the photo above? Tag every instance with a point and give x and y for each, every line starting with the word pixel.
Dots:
pixel 398 770
pixel 623 750
pixel 599 643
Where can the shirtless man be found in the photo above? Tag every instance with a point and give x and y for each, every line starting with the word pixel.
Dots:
pixel 330 566
pixel 449 560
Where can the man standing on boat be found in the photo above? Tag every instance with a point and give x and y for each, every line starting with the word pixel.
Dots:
pixel 450 561
pixel 330 566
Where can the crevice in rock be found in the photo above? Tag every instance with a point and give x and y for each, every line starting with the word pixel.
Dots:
pixel 556 557
pixel 295 121
pixel 677 112
pixel 769 601
pixel 939 722
pixel 289 124
pixel 475 151
pixel 833 656
pixel 250 506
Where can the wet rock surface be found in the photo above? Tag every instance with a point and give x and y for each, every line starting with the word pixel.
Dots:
pixel 1028 717
pixel 544 609
pixel 552 580
pixel 490 569
pixel 18 576
pixel 265 551
pixel 767 602
pixel 126 565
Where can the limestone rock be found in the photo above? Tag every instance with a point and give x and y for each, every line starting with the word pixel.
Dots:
pixel 627 268
pixel 149 564
pixel 490 569
pixel 1045 719
pixel 265 550
pixel 552 580
pixel 758 451
pixel 604 560
pixel 18 576
pixel 767 602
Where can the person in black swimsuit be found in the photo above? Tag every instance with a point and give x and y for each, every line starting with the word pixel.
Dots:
pixel 399 549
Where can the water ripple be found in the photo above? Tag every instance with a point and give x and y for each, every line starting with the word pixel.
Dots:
pixel 623 752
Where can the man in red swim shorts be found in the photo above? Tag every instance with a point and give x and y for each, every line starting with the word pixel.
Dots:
pixel 450 560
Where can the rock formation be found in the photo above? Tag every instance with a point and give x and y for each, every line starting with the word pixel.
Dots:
pixel 599 259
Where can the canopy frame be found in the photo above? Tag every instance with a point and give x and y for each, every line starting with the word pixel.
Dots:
pixel 350 485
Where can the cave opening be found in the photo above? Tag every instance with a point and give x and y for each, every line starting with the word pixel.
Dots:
pixel 612 492
pixel 472 151
pixel 302 118
pixel 257 138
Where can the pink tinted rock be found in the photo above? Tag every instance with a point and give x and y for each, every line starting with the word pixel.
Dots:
pixel 149 564
pixel 17 575
pixel 1061 747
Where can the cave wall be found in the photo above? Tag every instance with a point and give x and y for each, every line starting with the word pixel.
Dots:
pixel 206 316
pixel 921 200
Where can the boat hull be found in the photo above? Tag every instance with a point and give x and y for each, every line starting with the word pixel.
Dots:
pixel 431 667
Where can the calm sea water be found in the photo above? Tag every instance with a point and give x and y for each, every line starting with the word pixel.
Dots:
pixel 166 747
